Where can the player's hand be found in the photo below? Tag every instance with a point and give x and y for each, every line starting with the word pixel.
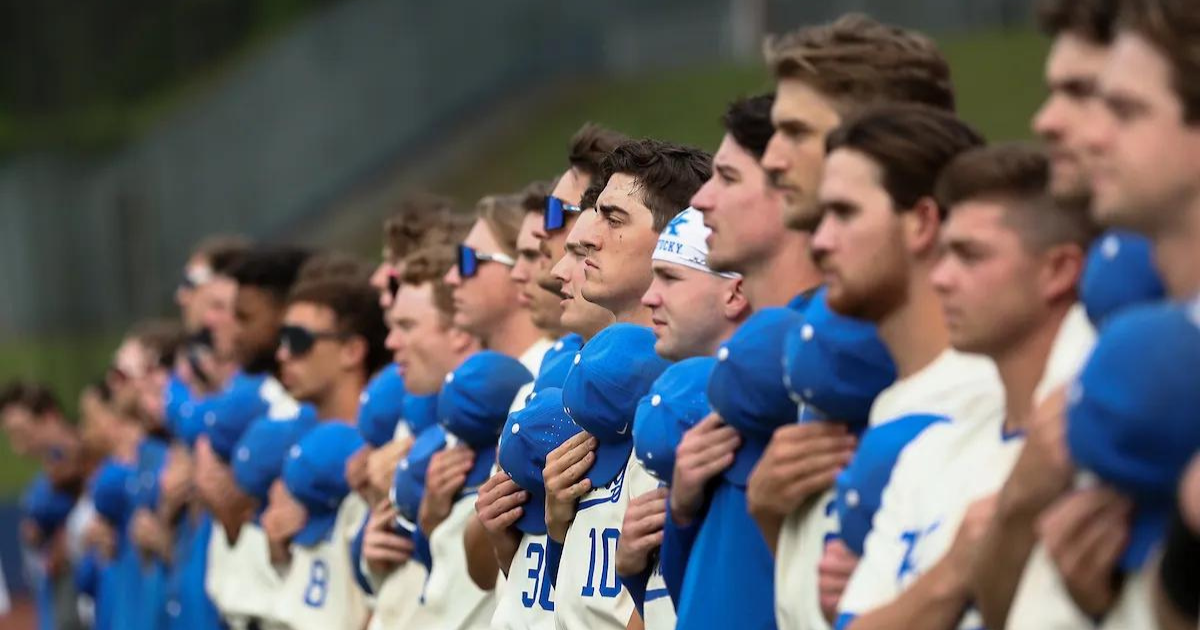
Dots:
pixel 175 483
pixel 1189 495
pixel 1085 533
pixel 150 535
pixel 102 537
pixel 499 504
pixel 642 531
pixel 381 465
pixel 704 452
pixel 833 574
pixel 961 557
pixel 356 472
pixel 564 471
pixel 284 516
pixel 383 549
pixel 447 473
pixel 1043 470
pixel 800 461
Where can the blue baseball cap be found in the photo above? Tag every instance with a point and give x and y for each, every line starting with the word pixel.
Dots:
pixel 258 457
pixel 529 436
pixel 677 401
pixel 1131 416
pixel 381 406
pixel 408 485
pixel 557 362
pixel 420 412
pixel 836 365
pixel 860 485
pixel 315 474
pixel 112 492
pixel 610 375
pixel 152 457
pixel 476 397
pixel 175 395
pixel 230 413
pixel 747 388
pixel 45 505
pixel 1119 273
pixel 190 424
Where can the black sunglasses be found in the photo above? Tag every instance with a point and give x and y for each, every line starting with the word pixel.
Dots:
pixel 299 341
pixel 393 282
pixel 555 216
pixel 469 259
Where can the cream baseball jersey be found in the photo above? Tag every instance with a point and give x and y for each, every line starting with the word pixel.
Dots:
pixel 589 595
pixel 528 598
pixel 955 385
pixel 658 609
pixel 943 471
pixel 451 600
pixel 241 582
pixel 319 590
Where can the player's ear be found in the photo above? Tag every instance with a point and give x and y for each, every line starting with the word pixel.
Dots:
pixel 736 306
pixel 354 352
pixel 1061 270
pixel 922 223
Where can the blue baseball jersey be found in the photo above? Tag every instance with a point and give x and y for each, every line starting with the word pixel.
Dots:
pixel 728 556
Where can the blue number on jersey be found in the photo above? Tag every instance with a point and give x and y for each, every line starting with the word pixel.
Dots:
pixel 540 592
pixel 318 584
pixel 911 538
pixel 607 544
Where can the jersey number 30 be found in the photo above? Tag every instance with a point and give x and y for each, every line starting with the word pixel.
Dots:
pixel 539 593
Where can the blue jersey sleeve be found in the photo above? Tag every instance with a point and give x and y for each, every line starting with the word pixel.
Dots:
pixel 554 551
pixel 676 549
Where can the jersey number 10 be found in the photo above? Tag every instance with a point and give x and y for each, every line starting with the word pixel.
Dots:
pixel 605 545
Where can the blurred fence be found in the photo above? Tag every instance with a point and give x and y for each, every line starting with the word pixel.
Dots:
pixel 89 242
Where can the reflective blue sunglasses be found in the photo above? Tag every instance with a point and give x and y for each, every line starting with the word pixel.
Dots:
pixel 555 216
pixel 469 259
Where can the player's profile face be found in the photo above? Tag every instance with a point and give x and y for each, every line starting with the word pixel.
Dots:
pixel 859 244
pixel 619 241
pixel 545 308
pixel 257 317
pixel 487 297
pixel 687 310
pixel 310 374
pixel 579 315
pixel 744 212
pixel 216 299
pixel 418 339
pixel 987 279
pixel 1146 157
pixel 1072 77
pixel 796 153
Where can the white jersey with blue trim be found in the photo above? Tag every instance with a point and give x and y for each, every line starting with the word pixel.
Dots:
pixel 240 580
pixel 527 602
pixel 451 600
pixel 958 386
pixel 589 595
pixel 944 470
pixel 659 609
pixel 319 590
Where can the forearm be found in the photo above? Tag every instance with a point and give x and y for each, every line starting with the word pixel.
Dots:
pixel 1177 578
pixel 936 601
pixel 1003 554
pixel 481 556
pixel 769 524
pixel 505 545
